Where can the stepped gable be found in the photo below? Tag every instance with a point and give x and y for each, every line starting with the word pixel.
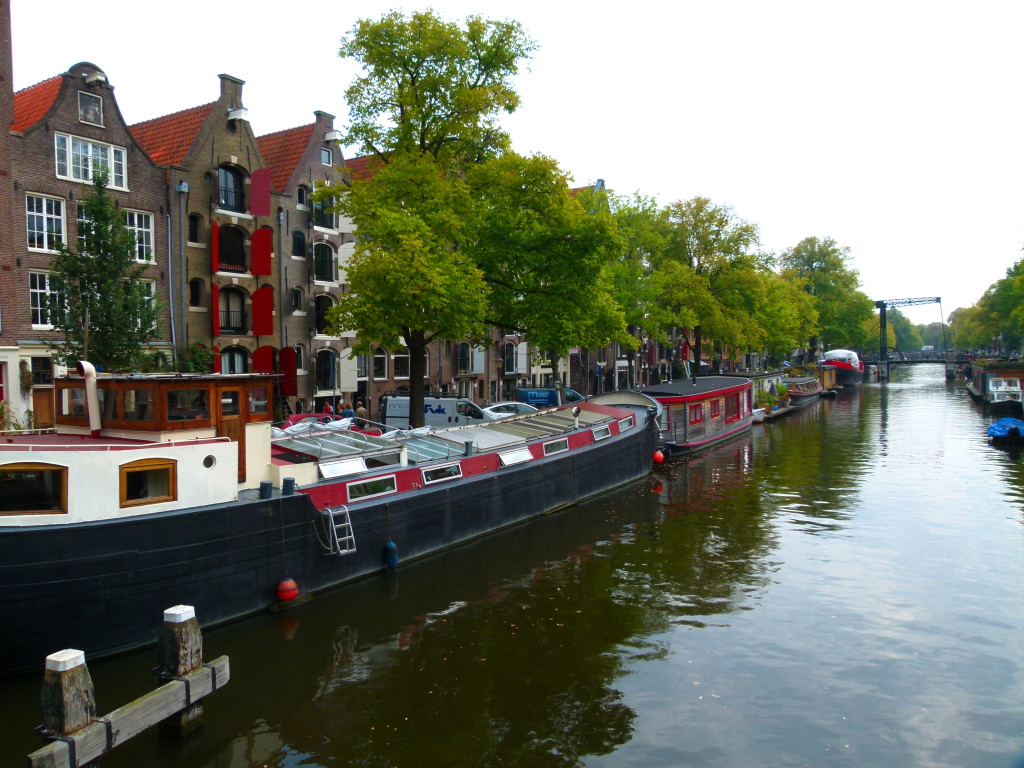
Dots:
pixel 363 168
pixel 32 103
pixel 282 151
pixel 168 139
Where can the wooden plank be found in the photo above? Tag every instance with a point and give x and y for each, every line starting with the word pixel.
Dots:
pixel 132 719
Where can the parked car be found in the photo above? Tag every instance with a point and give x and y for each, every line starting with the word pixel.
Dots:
pixel 547 396
pixel 508 408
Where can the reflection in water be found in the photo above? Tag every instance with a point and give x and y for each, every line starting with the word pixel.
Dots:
pixel 840 588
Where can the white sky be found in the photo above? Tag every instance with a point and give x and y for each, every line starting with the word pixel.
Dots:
pixel 892 127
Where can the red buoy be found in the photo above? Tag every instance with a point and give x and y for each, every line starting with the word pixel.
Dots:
pixel 658 487
pixel 658 457
pixel 287 589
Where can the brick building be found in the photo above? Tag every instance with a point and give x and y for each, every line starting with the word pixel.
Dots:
pixel 62 130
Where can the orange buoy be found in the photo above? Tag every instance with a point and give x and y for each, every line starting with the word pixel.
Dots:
pixel 658 457
pixel 287 589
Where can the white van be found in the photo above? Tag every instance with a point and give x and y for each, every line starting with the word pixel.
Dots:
pixel 438 412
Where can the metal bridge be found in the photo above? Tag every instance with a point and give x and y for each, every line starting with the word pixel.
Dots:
pixel 883 347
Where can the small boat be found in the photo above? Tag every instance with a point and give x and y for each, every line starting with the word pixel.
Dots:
pixel 759 415
pixel 847 364
pixel 702 411
pixel 160 490
pixel 997 384
pixel 1007 430
pixel 802 390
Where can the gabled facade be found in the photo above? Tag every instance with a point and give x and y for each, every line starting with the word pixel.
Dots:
pixel 315 245
pixel 62 130
pixel 224 291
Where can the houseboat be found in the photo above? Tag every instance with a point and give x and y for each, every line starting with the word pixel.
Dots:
pixel 802 390
pixel 702 411
pixel 997 384
pixel 847 364
pixel 155 491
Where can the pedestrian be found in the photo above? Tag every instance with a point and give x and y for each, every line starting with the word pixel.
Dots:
pixel 360 414
pixel 327 407
pixel 347 412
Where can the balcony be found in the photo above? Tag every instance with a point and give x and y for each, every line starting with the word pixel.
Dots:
pixel 233 321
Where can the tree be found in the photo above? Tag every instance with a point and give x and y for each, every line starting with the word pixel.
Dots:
pixel 431 86
pixel 98 302
pixel 787 316
pixel 545 255
pixel 822 267
pixel 426 106
pixel 724 287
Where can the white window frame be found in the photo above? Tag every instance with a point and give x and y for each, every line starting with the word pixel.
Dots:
pixel 143 233
pixel 77 165
pixel 39 309
pixel 441 473
pixel 326 156
pixel 49 236
pixel 556 446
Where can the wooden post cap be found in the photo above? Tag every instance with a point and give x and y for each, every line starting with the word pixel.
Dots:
pixel 65 660
pixel 179 614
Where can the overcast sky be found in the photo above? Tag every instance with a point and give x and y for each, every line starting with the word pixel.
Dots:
pixel 892 127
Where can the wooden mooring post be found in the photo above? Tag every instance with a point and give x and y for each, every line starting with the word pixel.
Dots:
pixel 79 738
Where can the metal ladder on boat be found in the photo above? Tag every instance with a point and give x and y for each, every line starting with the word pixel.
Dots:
pixel 339 530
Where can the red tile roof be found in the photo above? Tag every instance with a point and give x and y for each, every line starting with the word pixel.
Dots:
pixel 363 168
pixel 167 139
pixel 33 102
pixel 282 151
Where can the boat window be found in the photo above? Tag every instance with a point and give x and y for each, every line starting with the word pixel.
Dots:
pixel 602 432
pixel 625 424
pixel 72 402
pixel 148 481
pixel 696 413
pixel 439 474
pixel 716 409
pixel 187 404
pixel 367 489
pixel 556 446
pixel 230 403
pixel 108 404
pixel 33 489
pixel 138 405
pixel 258 399
pixel 518 456
pixel 732 407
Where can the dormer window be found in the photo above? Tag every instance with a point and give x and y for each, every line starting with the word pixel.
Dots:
pixel 231 193
pixel 326 156
pixel 90 108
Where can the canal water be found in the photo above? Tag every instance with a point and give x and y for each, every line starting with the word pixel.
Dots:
pixel 843 587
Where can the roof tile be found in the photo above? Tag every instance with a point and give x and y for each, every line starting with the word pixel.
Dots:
pixel 167 139
pixel 363 168
pixel 30 104
pixel 282 151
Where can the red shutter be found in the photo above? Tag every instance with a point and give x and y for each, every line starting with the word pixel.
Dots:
pixel 261 244
pixel 215 310
pixel 288 385
pixel 214 247
pixel 259 193
pixel 263 312
pixel 216 359
pixel 263 360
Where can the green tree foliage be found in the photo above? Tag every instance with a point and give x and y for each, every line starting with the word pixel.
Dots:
pixel 709 258
pixel 411 282
pixel 844 312
pixel 935 334
pixel 996 322
pixel 545 255
pixel 432 86
pixel 98 302
pixel 787 316
pixel 907 338
pixel 426 105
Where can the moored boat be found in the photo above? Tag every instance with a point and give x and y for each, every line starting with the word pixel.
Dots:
pixel 802 390
pixel 156 491
pixel 702 411
pixel 1007 430
pixel 997 384
pixel 847 364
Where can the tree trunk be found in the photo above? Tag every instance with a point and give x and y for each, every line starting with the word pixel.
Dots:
pixel 417 375
pixel 698 338
pixel 555 378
